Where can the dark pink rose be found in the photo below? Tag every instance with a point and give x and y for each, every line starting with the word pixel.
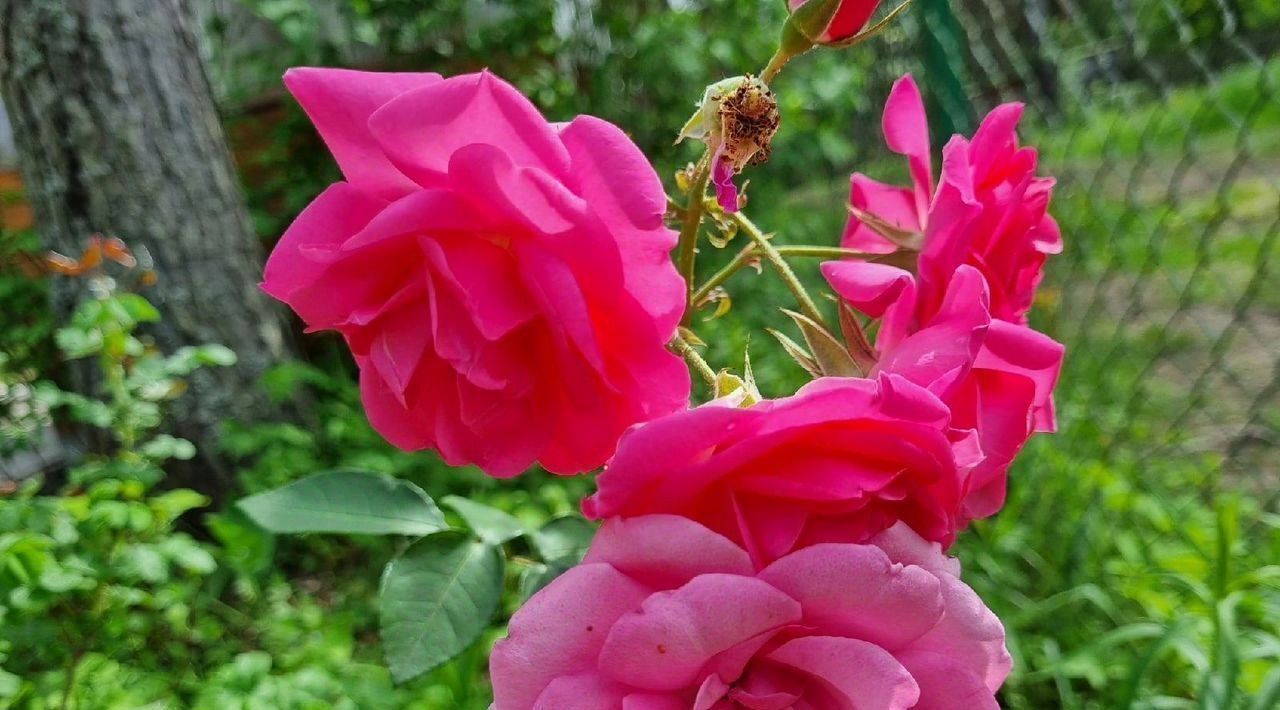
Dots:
pixel 989 210
pixel 504 283
pixel 841 460
pixel 665 614
pixel 996 377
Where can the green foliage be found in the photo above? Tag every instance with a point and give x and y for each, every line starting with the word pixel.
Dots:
pixel 106 602
pixel 438 595
pixel 28 324
pixel 436 599
pixel 346 502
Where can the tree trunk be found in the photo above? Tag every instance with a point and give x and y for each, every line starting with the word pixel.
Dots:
pixel 117 132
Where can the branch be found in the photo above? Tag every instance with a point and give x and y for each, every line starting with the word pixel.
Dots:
pixel 687 251
pixel 771 254
pixel 696 362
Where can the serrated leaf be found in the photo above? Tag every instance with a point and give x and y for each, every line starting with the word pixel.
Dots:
pixel 353 502
pixel 492 525
pixel 562 539
pixel 797 353
pixel 855 337
pixel 832 357
pixel 436 599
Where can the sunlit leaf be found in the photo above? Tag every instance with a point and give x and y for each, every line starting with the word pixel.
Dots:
pixel 346 502
pixel 492 525
pixel 436 599
pixel 565 538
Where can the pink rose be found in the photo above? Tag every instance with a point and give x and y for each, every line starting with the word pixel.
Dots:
pixel 996 377
pixel 839 461
pixel 665 614
pixel 504 283
pixel 989 210
pixel 850 17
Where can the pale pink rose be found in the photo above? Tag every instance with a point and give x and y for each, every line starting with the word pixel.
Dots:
pixel 665 614
pixel 995 376
pixel 850 18
pixel 989 210
pixel 841 460
pixel 504 283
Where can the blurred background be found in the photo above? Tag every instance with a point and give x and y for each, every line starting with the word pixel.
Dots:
pixel 1137 563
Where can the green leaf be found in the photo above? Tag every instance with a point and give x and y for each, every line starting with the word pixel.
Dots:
pixel 797 353
pixel 1269 695
pixel 165 446
pixel 537 576
pixel 247 548
pixel 138 308
pixel 75 342
pixel 171 504
pixel 492 525
pixel 215 355
pixel 351 502
pixel 832 357
pixel 436 599
pixel 144 562
pixel 564 539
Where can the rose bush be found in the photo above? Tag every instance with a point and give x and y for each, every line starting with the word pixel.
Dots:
pixel 841 460
pixel 666 614
pixel 504 283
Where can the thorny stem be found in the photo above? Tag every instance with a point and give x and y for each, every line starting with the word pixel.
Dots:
pixel 687 251
pixel 776 63
pixel 751 252
pixel 776 260
pixel 699 365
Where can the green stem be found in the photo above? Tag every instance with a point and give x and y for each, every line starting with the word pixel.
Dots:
pixel 743 258
pixel 750 252
pixel 696 362
pixel 687 250
pixel 779 264
pixel 776 63
pixel 823 252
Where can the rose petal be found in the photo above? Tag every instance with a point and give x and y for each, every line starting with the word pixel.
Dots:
pixel 421 129
pixel 339 103
pixel 906 131
pixel 857 674
pixel 665 551
pixel 666 643
pixel 856 591
pixel 560 631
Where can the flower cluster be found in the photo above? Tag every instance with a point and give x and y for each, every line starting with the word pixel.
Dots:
pixel 506 287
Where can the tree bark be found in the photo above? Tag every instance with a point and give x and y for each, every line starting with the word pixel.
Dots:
pixel 118 133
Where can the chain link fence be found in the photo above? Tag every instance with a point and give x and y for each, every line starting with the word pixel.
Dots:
pixel 1161 122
